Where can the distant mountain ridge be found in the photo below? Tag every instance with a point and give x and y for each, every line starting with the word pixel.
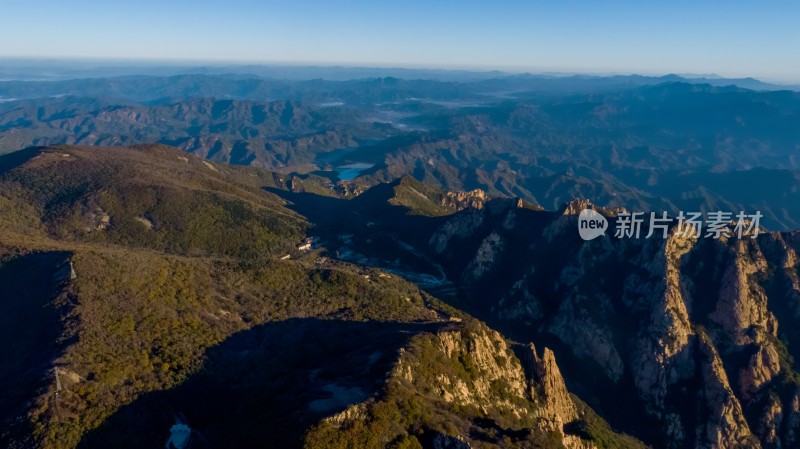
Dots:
pixel 19 69
pixel 668 146
pixel 247 86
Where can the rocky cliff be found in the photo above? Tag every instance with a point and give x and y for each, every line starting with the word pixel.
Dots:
pixel 466 387
pixel 700 334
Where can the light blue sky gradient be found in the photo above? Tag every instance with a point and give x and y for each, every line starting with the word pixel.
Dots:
pixel 729 38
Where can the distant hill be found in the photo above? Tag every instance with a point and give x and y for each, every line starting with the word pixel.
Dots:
pixel 635 142
pixel 148 196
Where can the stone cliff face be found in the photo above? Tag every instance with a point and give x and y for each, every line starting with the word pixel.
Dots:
pixel 473 370
pixel 725 426
pixel 490 249
pixel 531 389
pixel 486 353
pixel 548 390
pixel 699 334
pixel 474 199
pixel 460 226
pixel 742 311
pixel 792 434
pixel 662 355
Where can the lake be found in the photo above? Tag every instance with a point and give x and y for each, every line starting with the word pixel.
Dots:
pixel 351 171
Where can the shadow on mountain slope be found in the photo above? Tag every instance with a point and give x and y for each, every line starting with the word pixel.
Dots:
pixel 320 210
pixel 30 332
pixel 13 160
pixel 266 385
pixel 342 215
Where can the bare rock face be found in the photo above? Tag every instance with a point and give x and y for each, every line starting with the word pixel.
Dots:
pixel 787 259
pixel 94 218
pixel 484 259
pixel 519 304
pixel 460 226
pixel 533 389
pixel 742 307
pixel 638 307
pixel 490 356
pixel 569 217
pixel 745 322
pixel 725 426
pixel 548 389
pixel 355 412
pixel 793 421
pixel 575 206
pixel 789 254
pixel 489 363
pixel 581 319
pixel 555 406
pixel 662 353
pixel 764 366
pixel 463 200
pixel 588 337
pixel 769 425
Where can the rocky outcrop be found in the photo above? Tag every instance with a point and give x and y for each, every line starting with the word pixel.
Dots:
pixel 555 406
pixel 725 426
pixel 764 365
pixel 462 200
pixel 460 226
pixel 568 217
pixel 741 310
pixel 519 304
pixel 355 412
pixel 769 424
pixel 580 320
pixel 484 259
pixel 490 358
pixel 746 325
pixel 95 219
pixel 635 308
pixel 588 337
pixel 463 385
pixel 547 387
pixel 662 355
pixel 792 438
pixel 575 206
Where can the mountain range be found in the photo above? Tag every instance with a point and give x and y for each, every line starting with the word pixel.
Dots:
pixel 395 263
pixel 162 290
pixel 639 143
pixel 143 285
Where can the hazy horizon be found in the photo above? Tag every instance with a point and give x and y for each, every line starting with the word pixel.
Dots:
pixel 729 39
pixel 127 67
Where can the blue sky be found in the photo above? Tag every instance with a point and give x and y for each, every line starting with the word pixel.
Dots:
pixel 730 38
